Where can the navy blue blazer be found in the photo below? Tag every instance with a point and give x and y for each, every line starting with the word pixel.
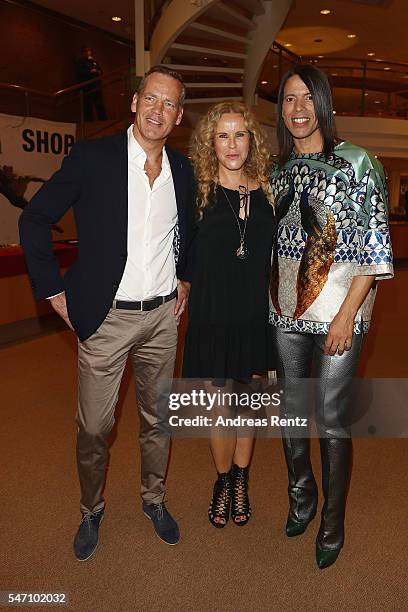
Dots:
pixel 93 180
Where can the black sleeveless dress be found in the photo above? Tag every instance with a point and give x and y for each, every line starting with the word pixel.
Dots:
pixel 228 334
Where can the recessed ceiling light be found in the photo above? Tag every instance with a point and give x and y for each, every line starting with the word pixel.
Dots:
pixel 334 112
pixel 371 54
pixel 334 74
pixel 264 82
pixel 320 56
pixel 288 44
pixel 387 68
pixel 366 94
pixel 116 18
pixel 325 11
pixel 377 101
pixel 351 35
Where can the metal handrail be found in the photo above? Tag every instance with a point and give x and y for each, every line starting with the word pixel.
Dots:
pixel 60 92
pixel 362 60
pixel 305 58
pixel 366 69
pixel 68 96
pixel 37 92
pixel 286 51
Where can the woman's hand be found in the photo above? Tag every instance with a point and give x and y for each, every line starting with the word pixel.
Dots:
pixel 183 289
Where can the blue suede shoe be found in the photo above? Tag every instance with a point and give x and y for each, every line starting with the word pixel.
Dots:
pixel 164 524
pixel 86 539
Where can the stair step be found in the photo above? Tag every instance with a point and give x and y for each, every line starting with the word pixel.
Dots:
pixel 213 85
pixel 222 6
pixel 206 51
pixel 221 69
pixel 211 100
pixel 253 6
pixel 218 32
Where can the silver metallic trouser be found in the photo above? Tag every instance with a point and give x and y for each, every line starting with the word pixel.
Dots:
pixel 300 356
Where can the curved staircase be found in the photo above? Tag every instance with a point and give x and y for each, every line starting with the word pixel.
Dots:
pixel 217 45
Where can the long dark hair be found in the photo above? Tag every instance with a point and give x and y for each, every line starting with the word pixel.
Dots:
pixel 318 85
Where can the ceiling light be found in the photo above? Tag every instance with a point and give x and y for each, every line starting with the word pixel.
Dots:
pixel 325 11
pixel 371 54
pixel 366 94
pixel 334 74
pixel 288 44
pixel 387 68
pixel 264 82
pixel 377 101
pixel 334 112
pixel 320 56
pixel 351 35
pixel 116 18
pixel 275 66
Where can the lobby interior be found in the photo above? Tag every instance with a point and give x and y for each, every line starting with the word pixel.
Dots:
pixel 235 49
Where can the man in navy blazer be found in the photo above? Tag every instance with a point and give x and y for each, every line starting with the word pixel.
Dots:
pixel 133 200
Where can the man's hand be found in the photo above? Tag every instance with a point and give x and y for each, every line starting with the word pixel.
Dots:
pixel 340 336
pixel 183 289
pixel 59 304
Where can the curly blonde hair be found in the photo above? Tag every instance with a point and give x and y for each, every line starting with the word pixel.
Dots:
pixel 257 165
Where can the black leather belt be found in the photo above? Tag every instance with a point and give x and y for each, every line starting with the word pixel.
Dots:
pixel 146 304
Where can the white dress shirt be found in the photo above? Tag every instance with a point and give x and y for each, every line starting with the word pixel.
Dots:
pixel 150 269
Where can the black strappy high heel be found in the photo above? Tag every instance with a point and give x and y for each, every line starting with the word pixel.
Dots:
pixel 240 506
pixel 221 501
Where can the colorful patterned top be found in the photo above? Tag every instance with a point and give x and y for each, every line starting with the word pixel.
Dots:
pixel 332 226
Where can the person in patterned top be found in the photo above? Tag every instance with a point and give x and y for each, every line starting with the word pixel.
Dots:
pixel 332 247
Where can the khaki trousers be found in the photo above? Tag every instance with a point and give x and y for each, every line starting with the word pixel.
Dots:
pixel 151 340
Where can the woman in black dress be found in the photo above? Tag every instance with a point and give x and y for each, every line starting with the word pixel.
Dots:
pixel 228 332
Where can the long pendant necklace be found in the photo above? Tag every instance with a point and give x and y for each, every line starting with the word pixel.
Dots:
pixel 242 250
